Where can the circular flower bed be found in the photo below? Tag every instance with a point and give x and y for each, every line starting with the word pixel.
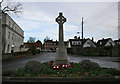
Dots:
pixel 64 70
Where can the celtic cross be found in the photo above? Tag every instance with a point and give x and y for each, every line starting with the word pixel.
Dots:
pixel 61 20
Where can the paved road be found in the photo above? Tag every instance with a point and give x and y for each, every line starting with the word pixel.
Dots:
pixel 47 57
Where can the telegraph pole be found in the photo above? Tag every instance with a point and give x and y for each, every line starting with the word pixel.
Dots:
pixel 82 27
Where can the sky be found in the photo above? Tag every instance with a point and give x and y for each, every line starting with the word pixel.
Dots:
pixel 38 19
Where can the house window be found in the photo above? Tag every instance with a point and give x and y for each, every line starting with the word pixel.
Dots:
pixel 12 36
pixel 8 35
pixel 110 43
pixel 100 43
pixel 88 42
pixel 79 43
pixel 73 43
pixel 9 23
pixel 15 28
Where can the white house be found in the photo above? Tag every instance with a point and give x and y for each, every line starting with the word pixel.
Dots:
pixel 105 42
pixel 81 43
pixel 88 43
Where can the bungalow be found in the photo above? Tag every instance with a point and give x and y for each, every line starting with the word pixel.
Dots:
pixel 88 43
pixel 105 42
pixel 81 43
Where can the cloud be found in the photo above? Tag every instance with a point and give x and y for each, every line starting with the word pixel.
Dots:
pixel 70 28
pixel 100 19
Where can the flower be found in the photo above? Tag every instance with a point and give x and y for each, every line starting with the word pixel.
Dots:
pixel 46 76
pixel 65 66
pixel 51 64
pixel 70 74
pixel 39 75
pixel 85 74
pixel 28 75
pixel 58 67
pixel 70 65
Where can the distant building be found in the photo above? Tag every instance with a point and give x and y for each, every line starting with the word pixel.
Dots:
pixel 88 43
pixel 117 42
pixel 12 35
pixel 74 42
pixel 105 42
pixel 37 44
pixel 77 42
pixel 52 45
pixel 48 44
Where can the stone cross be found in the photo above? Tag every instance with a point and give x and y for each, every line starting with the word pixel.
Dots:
pixel 61 53
pixel 61 20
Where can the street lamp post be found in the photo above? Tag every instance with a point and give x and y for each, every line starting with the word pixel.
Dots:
pixel 12 48
pixel 78 33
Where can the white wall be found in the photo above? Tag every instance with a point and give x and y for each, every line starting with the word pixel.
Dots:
pixel 88 45
pixel 110 42
pixel 17 33
pixel 69 45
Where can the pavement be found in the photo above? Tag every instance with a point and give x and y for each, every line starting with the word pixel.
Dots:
pixel 15 63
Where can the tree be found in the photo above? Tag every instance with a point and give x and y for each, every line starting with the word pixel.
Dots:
pixel 33 49
pixel 13 7
pixel 31 40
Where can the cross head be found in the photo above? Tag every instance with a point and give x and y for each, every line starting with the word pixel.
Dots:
pixel 60 19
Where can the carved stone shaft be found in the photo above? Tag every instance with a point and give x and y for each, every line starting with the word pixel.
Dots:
pixel 61 52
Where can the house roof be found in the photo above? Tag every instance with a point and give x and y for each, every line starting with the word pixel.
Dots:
pixel 48 40
pixel 36 44
pixel 117 40
pixel 103 41
pixel 38 41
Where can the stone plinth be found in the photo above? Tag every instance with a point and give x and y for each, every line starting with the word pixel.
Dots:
pixel 61 55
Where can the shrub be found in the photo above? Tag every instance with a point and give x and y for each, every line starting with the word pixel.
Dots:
pixel 34 66
pixel 8 72
pixel 20 53
pixel 114 71
pixel 87 64
pixel 33 49
pixel 47 71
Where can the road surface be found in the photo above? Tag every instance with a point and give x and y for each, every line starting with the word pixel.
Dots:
pixel 49 56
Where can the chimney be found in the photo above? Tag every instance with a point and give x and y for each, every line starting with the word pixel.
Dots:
pixel 75 37
pixel 92 39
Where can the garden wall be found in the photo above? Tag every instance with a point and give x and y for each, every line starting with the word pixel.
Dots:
pixel 15 55
pixel 94 51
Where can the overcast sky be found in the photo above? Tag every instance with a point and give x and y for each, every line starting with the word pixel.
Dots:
pixel 38 19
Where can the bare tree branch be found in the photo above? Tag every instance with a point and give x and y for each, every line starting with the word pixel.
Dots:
pixel 13 7
pixel 1 1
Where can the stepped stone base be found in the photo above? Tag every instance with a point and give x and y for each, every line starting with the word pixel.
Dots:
pixel 61 55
